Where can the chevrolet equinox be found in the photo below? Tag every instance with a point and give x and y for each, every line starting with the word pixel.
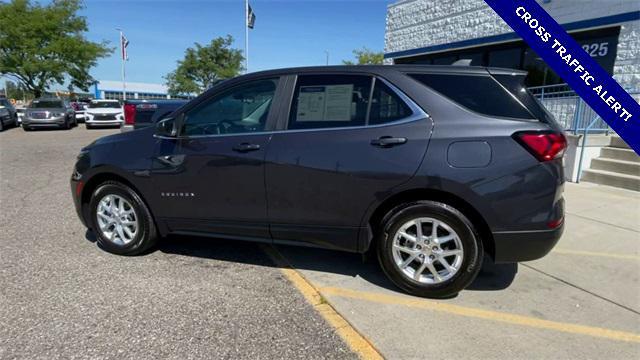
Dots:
pixel 429 167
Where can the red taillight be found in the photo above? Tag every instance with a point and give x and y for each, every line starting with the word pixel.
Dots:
pixel 544 146
pixel 555 223
pixel 129 114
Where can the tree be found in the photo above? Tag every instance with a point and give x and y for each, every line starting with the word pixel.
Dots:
pixel 365 56
pixel 204 66
pixel 43 45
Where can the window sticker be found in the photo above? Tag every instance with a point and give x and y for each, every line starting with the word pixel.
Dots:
pixel 325 103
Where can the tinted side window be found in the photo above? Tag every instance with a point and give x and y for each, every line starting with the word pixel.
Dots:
pixel 478 93
pixel 240 110
pixel 326 101
pixel 386 106
pixel 516 86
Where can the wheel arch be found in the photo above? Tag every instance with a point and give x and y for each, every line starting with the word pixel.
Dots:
pixel 100 178
pixel 478 221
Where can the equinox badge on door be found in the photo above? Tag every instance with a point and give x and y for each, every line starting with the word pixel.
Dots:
pixel 177 194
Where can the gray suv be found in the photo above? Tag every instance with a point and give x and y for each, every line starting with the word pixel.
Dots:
pixel 47 113
pixel 428 167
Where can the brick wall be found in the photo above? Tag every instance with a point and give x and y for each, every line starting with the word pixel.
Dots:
pixel 414 24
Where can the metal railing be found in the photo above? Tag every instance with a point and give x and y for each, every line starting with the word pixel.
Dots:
pixel 570 110
pixel 573 113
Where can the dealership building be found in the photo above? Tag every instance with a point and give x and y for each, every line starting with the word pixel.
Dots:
pixel 442 32
pixel 107 89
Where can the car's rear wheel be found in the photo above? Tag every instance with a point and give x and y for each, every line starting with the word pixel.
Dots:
pixel 429 249
pixel 120 219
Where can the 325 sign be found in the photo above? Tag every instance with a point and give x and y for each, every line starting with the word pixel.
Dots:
pixel 597 49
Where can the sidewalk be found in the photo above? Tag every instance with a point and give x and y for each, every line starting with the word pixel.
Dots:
pixel 581 301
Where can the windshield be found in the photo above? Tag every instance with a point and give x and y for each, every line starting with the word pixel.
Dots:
pixel 104 104
pixel 43 104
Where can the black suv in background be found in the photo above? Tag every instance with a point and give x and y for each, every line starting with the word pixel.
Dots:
pixel 8 114
pixel 428 166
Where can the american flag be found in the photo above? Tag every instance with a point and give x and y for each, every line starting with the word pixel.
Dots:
pixel 123 46
pixel 251 17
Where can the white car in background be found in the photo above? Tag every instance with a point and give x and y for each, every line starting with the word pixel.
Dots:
pixel 103 113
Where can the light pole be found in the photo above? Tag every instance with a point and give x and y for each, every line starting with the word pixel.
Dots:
pixel 327 54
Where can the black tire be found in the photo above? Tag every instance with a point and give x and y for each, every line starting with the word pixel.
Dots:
pixel 1 126
pixel 26 128
pixel 87 126
pixel 471 244
pixel 67 124
pixel 146 236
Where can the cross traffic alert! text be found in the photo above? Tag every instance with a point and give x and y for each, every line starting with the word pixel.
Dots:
pixel 574 63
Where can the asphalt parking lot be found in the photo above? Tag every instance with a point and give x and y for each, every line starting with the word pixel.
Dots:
pixel 63 297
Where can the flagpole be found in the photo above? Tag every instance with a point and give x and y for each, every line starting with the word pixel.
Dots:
pixel 122 59
pixel 246 36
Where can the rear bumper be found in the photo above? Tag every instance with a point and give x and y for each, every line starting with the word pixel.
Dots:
pixel 519 246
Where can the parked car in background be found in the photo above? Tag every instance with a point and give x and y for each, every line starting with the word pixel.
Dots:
pixel 8 114
pixel 429 167
pixel 139 114
pixel 47 113
pixel 80 107
pixel 103 113
pixel 20 112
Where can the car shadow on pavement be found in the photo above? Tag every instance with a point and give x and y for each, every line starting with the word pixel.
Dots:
pixel 492 276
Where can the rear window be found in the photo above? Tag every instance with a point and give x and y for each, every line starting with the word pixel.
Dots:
pixel 515 85
pixel 386 106
pixel 325 101
pixel 479 93
pixel 334 100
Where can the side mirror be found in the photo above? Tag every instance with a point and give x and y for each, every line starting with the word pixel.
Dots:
pixel 166 127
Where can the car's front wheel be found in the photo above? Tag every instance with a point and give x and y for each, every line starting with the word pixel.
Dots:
pixel 121 220
pixel 429 249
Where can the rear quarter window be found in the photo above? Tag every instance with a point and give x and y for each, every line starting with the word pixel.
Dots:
pixel 478 93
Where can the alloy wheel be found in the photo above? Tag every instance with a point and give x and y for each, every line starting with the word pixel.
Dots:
pixel 427 250
pixel 117 219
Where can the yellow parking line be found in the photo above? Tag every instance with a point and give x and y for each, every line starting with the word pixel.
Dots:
pixel 482 314
pixel 356 341
pixel 591 253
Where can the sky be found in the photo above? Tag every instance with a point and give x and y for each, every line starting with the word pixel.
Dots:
pixel 287 32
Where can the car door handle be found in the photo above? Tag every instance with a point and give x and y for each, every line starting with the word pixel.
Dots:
pixel 171 160
pixel 246 147
pixel 388 141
